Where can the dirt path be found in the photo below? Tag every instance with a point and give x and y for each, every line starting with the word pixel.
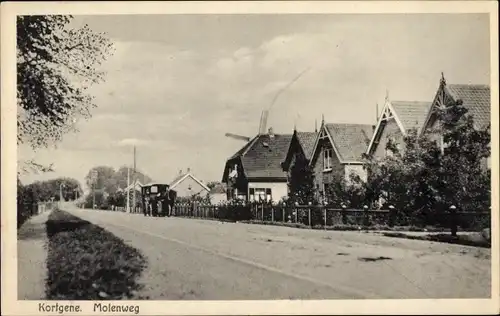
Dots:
pixel 32 254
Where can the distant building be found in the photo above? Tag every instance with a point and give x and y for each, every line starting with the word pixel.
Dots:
pixel 254 172
pixel 187 185
pixel 397 118
pixel 337 153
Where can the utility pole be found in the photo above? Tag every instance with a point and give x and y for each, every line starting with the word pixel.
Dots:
pixel 128 189
pixel 134 180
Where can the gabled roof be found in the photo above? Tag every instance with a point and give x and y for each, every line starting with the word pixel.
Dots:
pixel 407 114
pixel 182 177
pixel 350 140
pixel 307 140
pixel 476 98
pixel 262 156
pixel 411 114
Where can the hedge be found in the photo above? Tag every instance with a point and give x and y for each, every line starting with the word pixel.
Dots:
pixel 85 262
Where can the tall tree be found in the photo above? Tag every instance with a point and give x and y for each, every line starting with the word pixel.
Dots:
pixel 301 182
pixel 56 65
pixel 466 183
pixel 105 181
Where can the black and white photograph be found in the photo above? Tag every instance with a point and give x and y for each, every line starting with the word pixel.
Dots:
pixel 246 156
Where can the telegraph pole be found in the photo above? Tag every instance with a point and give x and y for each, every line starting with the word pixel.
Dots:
pixel 134 181
pixel 128 189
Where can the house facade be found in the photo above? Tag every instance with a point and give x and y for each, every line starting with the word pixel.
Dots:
pixel 396 120
pixel 187 185
pixel 338 153
pixel 254 172
pixel 475 98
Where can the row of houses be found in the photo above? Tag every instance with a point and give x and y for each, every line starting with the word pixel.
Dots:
pixel 260 170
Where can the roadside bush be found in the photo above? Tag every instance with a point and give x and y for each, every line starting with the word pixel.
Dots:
pixel 85 262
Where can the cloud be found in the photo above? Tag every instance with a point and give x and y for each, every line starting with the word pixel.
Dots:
pixel 176 98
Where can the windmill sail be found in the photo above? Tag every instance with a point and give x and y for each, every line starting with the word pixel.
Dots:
pixel 239 137
pixel 263 122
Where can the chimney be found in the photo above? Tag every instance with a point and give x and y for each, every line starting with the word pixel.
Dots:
pixel 270 132
pixel 188 170
pixel 180 171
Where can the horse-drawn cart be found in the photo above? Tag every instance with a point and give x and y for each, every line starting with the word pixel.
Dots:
pixel 157 199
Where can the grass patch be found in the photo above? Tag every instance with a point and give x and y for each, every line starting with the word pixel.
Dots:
pixel 85 262
pixel 346 227
pixel 465 240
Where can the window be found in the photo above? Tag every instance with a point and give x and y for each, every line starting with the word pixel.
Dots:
pixel 327 159
pixel 260 194
pixel 154 189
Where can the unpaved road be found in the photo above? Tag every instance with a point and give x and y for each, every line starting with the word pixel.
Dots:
pixel 207 260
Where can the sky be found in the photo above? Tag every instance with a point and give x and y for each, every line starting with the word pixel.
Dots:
pixel 177 83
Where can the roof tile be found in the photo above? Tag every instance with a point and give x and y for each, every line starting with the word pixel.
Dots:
pixel 262 157
pixel 412 114
pixel 351 140
pixel 307 140
pixel 476 98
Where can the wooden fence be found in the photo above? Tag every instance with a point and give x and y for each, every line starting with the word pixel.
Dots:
pixel 311 215
pixel 307 215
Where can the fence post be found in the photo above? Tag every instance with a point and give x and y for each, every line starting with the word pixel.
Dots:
pixel 309 217
pixel 392 216
pixel 453 220
pixel 324 214
pixel 284 213
pixel 272 214
pixel 365 217
pixel 262 212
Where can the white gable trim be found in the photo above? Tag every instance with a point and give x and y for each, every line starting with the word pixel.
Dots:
pixel 387 107
pixel 192 177
pixel 321 131
pixel 442 89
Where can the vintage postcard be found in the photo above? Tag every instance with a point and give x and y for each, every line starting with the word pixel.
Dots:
pixel 190 158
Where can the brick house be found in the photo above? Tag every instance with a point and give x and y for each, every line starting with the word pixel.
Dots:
pixel 476 99
pixel 337 153
pixel 254 172
pixel 187 185
pixel 301 145
pixel 396 120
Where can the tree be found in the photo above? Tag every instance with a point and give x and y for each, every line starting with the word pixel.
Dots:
pixel 301 182
pixel 109 180
pixel 213 184
pixel 55 67
pixel 105 181
pixel 466 183
pixel 121 177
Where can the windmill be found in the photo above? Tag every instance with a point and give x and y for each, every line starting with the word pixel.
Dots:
pixel 265 113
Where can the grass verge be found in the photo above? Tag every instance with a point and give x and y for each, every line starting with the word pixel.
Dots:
pixel 344 227
pixel 85 262
pixel 465 240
